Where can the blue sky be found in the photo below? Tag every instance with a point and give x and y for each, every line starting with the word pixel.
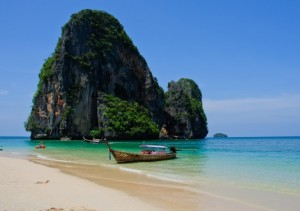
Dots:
pixel 243 54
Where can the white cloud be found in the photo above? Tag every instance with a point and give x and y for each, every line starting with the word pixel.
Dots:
pixel 3 92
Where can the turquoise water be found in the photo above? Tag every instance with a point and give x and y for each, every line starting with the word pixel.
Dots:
pixel 270 164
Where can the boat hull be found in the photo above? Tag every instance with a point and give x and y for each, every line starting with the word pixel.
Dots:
pixel 95 141
pixel 125 157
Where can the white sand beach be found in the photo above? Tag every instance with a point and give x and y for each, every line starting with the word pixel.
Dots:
pixel 47 185
pixel 28 186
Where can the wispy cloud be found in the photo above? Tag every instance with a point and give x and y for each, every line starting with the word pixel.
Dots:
pixel 253 104
pixel 254 116
pixel 3 92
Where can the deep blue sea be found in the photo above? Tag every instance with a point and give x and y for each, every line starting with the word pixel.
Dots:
pixel 261 163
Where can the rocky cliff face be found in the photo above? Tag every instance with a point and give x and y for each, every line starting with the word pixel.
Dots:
pixel 94 56
pixel 185 115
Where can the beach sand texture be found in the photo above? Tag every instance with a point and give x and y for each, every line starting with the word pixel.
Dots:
pixel 24 186
pixel 28 185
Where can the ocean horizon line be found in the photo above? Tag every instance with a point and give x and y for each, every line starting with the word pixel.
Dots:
pixel 209 137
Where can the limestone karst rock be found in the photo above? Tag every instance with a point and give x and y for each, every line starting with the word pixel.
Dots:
pixel 94 57
pixel 185 115
pixel 93 54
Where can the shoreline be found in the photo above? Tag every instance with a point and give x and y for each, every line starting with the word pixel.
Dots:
pixel 168 195
pixel 99 188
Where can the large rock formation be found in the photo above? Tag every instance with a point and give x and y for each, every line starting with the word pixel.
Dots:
pixel 95 57
pixel 93 54
pixel 185 115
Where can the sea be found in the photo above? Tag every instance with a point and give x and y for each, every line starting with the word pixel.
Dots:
pixel 269 164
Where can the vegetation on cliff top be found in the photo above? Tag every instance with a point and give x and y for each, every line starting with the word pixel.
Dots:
pixel 106 33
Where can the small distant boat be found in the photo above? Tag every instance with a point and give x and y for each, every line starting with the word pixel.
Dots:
pixel 40 146
pixel 96 141
pixel 149 153
pixel 65 139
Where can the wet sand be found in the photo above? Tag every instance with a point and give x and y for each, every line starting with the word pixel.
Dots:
pixel 177 196
pixel 74 186
pixel 168 195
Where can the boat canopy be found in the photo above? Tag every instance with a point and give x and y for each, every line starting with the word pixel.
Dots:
pixel 153 146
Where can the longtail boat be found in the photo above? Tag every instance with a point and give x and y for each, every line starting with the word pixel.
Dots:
pixel 150 153
pixel 95 141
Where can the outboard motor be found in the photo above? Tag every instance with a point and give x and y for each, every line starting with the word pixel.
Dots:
pixel 173 149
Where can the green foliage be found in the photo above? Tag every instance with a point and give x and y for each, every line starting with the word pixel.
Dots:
pixel 186 96
pixel 45 74
pixel 97 133
pixel 31 124
pixel 58 47
pixel 128 119
pixel 106 31
pixel 84 61
pixel 195 107
pixel 46 71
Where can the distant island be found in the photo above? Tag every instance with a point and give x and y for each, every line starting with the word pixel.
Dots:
pixel 97 84
pixel 220 135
